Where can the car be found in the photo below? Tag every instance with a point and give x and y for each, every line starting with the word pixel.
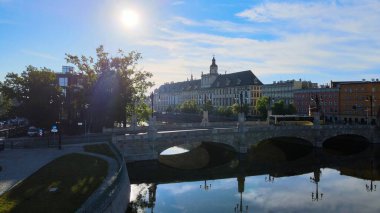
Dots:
pixel 33 131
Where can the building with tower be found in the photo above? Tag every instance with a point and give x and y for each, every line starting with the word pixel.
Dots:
pixel 221 89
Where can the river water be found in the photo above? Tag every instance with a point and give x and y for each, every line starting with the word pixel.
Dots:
pixel 270 178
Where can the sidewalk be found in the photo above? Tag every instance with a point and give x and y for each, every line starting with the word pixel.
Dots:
pixel 18 164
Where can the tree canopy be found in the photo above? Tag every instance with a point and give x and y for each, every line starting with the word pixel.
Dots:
pixel 35 95
pixel 113 85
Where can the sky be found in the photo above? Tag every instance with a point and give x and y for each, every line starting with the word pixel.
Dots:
pixel 316 40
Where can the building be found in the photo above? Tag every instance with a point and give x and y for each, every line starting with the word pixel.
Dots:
pixel 221 89
pixel 359 101
pixel 283 90
pixel 71 83
pixel 305 101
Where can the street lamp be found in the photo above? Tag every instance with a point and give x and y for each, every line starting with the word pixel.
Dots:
pixel 205 186
pixel 269 179
pixel 371 187
pixel 151 98
pixel 316 196
pixel 370 99
pixel 239 207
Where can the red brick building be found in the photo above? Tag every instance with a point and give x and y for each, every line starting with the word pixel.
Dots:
pixel 305 101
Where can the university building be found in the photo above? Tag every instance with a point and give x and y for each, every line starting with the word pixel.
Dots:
pixel 221 89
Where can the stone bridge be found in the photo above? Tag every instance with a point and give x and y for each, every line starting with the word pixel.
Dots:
pixel 149 145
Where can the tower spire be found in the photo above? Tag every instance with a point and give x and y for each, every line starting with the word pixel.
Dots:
pixel 213 66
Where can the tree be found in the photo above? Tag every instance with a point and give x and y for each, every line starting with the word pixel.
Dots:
pixel 112 85
pixel 189 106
pixel 208 106
pixel 278 108
pixel 5 106
pixel 291 109
pixel 236 108
pixel 36 95
pixel 225 111
pixel 262 106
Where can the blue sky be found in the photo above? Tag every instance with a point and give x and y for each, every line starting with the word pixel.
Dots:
pixel 278 40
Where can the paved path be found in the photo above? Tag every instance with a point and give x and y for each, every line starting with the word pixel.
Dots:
pixel 18 164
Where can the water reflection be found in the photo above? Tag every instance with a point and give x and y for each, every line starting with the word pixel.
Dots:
pixel 340 183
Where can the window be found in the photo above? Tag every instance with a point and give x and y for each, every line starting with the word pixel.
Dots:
pixel 63 82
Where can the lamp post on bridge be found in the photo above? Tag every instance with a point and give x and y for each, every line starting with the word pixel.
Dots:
pixel 369 98
pixel 206 186
pixel 316 196
pixel 151 99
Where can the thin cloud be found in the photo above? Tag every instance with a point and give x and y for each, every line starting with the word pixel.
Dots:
pixel 178 3
pixel 39 54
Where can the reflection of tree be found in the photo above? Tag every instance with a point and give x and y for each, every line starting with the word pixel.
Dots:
pixel 141 202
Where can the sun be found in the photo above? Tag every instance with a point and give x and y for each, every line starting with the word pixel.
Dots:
pixel 130 18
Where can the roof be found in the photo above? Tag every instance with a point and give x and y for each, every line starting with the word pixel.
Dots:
pixel 236 79
pixel 181 86
pixel 337 83
pixel 243 78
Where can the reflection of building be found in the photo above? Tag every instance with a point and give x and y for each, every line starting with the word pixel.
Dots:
pixel 221 89
pixel 304 101
pixel 358 101
pixel 283 90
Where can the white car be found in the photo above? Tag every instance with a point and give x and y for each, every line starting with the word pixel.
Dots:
pixel 33 131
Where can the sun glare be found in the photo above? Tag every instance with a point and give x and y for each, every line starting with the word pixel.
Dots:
pixel 130 18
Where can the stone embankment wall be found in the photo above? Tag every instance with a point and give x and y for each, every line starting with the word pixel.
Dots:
pixel 115 196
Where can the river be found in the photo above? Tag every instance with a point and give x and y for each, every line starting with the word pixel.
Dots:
pixel 277 176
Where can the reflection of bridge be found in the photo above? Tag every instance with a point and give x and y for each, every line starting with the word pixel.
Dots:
pixel 149 145
pixel 357 165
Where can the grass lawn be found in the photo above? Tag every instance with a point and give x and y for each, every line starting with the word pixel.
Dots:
pixel 75 176
pixel 102 149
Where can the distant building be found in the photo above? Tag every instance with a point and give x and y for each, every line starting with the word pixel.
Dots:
pixel 221 89
pixel 305 101
pixel 283 90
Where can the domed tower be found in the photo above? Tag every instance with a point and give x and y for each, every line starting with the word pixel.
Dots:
pixel 213 67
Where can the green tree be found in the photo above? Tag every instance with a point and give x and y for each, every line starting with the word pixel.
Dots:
pixel 5 106
pixel 278 108
pixel 262 106
pixel 112 85
pixel 189 106
pixel 36 95
pixel 236 108
pixel 208 106
pixel 291 109
pixel 225 111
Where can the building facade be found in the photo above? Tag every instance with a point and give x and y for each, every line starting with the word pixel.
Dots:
pixel 323 100
pixel 359 101
pixel 221 89
pixel 283 90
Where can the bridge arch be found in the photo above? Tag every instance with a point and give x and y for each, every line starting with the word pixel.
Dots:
pixel 346 143
pixel 205 155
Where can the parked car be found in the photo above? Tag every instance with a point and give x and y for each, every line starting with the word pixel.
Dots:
pixel 34 131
